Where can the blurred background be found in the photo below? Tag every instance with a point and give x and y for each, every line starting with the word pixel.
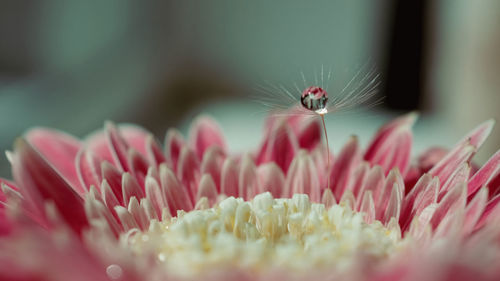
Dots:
pixel 73 64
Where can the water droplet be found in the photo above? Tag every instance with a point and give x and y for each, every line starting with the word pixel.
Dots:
pixel 114 271
pixel 314 98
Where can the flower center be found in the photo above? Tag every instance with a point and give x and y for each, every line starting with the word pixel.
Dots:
pixel 264 234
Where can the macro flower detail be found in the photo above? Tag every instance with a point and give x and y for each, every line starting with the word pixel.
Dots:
pixel 127 208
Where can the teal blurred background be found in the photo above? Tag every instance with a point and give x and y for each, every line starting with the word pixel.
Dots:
pixel 73 64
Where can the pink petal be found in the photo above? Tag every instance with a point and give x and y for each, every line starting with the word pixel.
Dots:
pixel 427 197
pixel 8 183
pixel 204 133
pixel 118 146
pixel 155 196
pixel 42 183
pixel 188 171
pixel 154 152
pixel 459 176
pixel 359 176
pixel 149 211
pixel 88 167
pixel 302 178
pixel 392 144
pixel 94 209
pixel 319 157
pixel 127 220
pixel 138 165
pixel 173 145
pixel 393 209
pixel 177 195
pixel 374 181
pixel 452 161
pixel 136 137
pixel 279 146
pixel 477 136
pixel 109 197
pixel 247 184
pixel 134 208
pixel 343 167
pixel 271 179
pixel 207 189
pixel 423 194
pixel 368 207
pixel 348 200
pixel 59 149
pixel 230 178
pixel 452 201
pixel 430 158
pixel 328 199
pixel 212 164
pixel 97 144
pixel 419 225
pixel 382 199
pixel 488 175
pixel 114 179
pixel 308 133
pixel 130 188
pixel 474 210
pixel 491 211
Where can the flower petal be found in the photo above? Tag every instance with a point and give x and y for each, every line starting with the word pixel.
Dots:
pixel 130 188
pixel 430 158
pixel 229 178
pixel 212 164
pixel 491 212
pixel 393 209
pixel 188 171
pixel 477 136
pixel 40 182
pixel 459 176
pixel 279 146
pixel 423 194
pixel 114 179
pixel 452 201
pixel 138 165
pixel 359 177
pixel 60 150
pixel 328 199
pixel 271 179
pixel 461 154
pixel 118 146
pixel 488 175
pixel 474 210
pixel 135 136
pixel 173 145
pixel 207 189
pixel 308 131
pixel 154 152
pixel 177 195
pixel 344 167
pixel 204 133
pixel 155 196
pixel 368 207
pixel 88 167
pixel 374 182
pixel 248 185
pixel 391 146
pixel 302 177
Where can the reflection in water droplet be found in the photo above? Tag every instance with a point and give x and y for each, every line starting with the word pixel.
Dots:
pixel 314 98
pixel 114 271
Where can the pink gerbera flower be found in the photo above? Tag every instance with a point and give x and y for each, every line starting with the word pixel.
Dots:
pixel 116 206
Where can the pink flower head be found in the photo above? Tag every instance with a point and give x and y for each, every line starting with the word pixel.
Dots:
pixel 123 206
